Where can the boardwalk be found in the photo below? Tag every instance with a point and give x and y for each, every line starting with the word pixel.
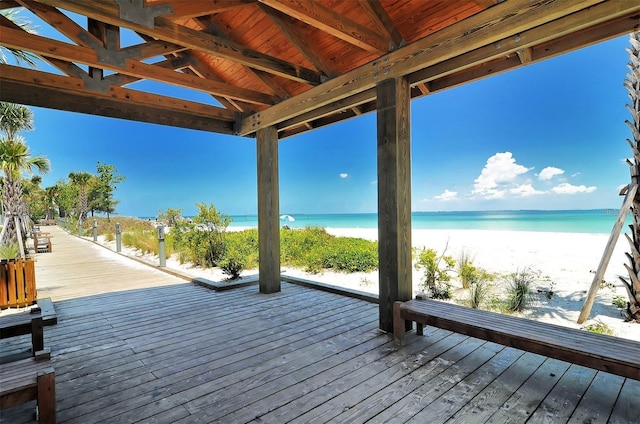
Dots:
pixel 133 344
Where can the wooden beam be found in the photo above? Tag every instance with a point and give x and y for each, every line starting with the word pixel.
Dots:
pixel 183 9
pixel 383 22
pixel 52 48
pixel 286 25
pixel 439 77
pixel 165 29
pixel 36 88
pixel 268 210
pixel 325 19
pixel 497 25
pixel 394 196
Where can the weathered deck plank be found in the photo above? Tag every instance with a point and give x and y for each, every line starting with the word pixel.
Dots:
pixel 135 344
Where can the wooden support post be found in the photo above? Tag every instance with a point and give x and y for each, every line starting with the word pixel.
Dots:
pixel 608 251
pixel 268 210
pixel 394 196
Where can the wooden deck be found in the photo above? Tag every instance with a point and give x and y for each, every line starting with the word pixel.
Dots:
pixel 133 344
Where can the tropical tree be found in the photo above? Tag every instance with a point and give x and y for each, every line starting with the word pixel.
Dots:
pixel 15 158
pixel 632 83
pixel 82 181
pixel 20 56
pixel 107 179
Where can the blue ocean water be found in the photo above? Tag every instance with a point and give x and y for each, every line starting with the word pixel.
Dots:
pixel 568 221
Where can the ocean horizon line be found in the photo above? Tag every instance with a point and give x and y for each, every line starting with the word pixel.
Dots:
pixel 599 221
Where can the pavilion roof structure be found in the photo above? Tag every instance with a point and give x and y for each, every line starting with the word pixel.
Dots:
pixel 292 64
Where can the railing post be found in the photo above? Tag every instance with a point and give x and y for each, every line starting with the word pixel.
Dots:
pixel 118 237
pixel 161 250
pixel 95 230
pixel 79 228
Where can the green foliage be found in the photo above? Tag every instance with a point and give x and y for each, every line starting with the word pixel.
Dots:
pixel 478 293
pixel 599 327
pixel 105 184
pixel 202 241
pixel 519 289
pixel 435 268
pixel 241 252
pixel 9 251
pixel 313 249
pixel 620 302
pixel 465 268
pixel 170 217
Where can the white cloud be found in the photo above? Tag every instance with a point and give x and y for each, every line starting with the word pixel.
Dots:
pixel 344 175
pixel 525 190
pixel 566 188
pixel 550 172
pixel 447 195
pixel 498 174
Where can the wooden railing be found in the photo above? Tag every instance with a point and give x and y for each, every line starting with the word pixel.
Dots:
pixel 17 283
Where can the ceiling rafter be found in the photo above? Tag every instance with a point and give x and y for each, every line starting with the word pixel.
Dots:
pixel 27 86
pixel 383 22
pixel 51 48
pixel 195 8
pixel 165 29
pixel 503 21
pixel 210 27
pixel 325 19
pixel 286 24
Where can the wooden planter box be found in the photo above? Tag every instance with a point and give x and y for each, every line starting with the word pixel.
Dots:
pixel 17 283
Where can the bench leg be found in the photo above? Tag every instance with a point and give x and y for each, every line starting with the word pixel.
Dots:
pixel 37 335
pixel 398 324
pixel 47 396
pixel 419 329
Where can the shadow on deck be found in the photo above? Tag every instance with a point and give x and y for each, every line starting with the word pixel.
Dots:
pixel 180 353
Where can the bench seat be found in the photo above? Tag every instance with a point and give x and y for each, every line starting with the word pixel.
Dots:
pixel 601 352
pixel 26 380
pixel 24 323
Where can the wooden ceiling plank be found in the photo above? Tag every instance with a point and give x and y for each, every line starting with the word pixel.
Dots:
pixel 383 22
pixel 36 88
pixel 53 48
pixel 286 25
pixel 183 9
pixel 167 30
pixel 499 22
pixel 325 19
pixel 210 27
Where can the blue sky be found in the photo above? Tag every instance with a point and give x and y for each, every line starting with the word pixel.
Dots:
pixel 547 136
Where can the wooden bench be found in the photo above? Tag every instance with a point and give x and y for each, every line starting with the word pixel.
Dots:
pixel 42 243
pixel 26 323
pixel 26 380
pixel 601 352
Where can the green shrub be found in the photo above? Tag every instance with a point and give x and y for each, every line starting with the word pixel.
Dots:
pixel 202 240
pixel 599 327
pixel 436 279
pixel 620 302
pixel 465 268
pixel 519 290
pixel 313 249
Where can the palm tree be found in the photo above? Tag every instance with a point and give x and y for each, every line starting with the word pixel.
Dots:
pixel 632 83
pixel 15 158
pixel 19 55
pixel 14 119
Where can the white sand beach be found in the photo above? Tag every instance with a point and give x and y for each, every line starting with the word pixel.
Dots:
pixel 566 263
